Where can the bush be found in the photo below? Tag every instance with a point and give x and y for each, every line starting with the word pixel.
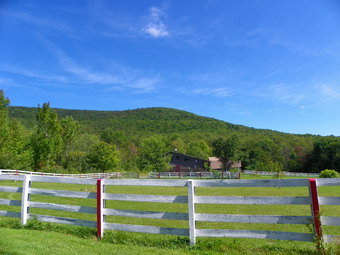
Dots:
pixel 327 173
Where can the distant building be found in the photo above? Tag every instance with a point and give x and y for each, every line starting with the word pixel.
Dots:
pixel 185 163
pixel 216 164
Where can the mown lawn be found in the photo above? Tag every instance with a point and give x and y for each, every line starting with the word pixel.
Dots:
pixel 45 238
pixel 134 243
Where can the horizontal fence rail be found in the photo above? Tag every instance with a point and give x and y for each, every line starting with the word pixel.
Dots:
pixel 195 175
pixel 293 174
pixel 97 192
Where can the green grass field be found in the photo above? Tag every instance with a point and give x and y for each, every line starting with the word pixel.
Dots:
pixel 62 239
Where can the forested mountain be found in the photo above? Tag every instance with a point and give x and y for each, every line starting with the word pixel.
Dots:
pixel 135 122
pixel 48 139
pixel 140 122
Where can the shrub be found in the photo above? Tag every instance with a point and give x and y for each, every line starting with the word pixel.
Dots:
pixel 234 170
pixel 327 173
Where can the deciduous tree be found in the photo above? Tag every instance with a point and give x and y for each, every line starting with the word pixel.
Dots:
pixel 103 157
pixel 4 120
pixel 226 149
pixel 152 154
pixel 47 142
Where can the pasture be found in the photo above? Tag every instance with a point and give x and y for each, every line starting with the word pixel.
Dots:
pixel 177 245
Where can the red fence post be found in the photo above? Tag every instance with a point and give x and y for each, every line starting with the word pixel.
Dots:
pixel 315 208
pixel 100 218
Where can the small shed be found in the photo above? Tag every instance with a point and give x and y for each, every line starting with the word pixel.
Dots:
pixel 216 164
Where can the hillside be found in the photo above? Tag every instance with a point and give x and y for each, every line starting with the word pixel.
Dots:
pixel 140 121
pixel 132 131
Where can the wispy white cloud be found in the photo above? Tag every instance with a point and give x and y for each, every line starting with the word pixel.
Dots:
pixel 4 80
pixel 293 95
pixel 156 27
pixel 330 91
pixel 87 75
pixel 33 74
pixel 287 94
pixel 108 22
pixel 249 38
pixel 218 84
pixel 37 21
pixel 298 47
pixel 144 84
pixel 115 77
pixel 239 109
pixel 216 92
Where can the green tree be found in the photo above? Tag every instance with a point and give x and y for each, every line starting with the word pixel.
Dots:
pixel 152 154
pixel 262 154
pixel 103 157
pixel 77 156
pixel 226 149
pixel 325 155
pixel 69 132
pixel 199 149
pixel 128 150
pixel 19 152
pixel 47 142
pixel 4 120
pixel 176 143
pixel 117 138
pixel 14 149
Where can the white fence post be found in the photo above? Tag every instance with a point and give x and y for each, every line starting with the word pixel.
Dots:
pixel 25 198
pixel 191 205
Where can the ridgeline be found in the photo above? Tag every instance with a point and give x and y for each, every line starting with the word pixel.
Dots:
pixel 145 121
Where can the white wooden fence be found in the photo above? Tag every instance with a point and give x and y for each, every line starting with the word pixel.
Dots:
pixel 191 199
pixel 87 175
pixel 195 175
pixel 293 174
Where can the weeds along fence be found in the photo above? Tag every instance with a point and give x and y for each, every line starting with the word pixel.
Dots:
pixel 293 174
pixel 194 175
pixel 88 175
pixel 105 206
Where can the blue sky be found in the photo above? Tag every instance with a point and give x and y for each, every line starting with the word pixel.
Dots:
pixel 269 64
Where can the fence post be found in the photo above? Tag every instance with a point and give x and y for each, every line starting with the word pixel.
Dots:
pixel 192 218
pixel 25 197
pixel 313 191
pixel 100 207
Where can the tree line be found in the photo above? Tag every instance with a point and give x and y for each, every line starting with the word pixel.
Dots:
pixel 139 140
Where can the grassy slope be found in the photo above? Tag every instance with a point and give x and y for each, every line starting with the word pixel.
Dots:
pixel 36 242
pixel 42 238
